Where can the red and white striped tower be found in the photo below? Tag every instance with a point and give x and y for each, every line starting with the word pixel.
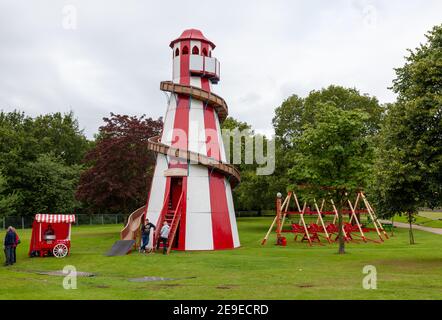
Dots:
pixel 191 158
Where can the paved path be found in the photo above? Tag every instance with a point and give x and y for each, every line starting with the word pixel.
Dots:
pixel 428 229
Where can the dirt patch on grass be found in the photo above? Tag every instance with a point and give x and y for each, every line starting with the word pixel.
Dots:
pixel 61 273
pixel 161 286
pixel 411 265
pixel 306 285
pixel 227 287
pixel 153 279
pixel 102 286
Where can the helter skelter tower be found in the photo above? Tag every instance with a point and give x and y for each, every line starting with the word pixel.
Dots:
pixel 192 183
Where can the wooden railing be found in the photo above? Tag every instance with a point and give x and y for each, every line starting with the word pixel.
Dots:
pixel 212 99
pixel 161 219
pixel 175 222
pixel 197 158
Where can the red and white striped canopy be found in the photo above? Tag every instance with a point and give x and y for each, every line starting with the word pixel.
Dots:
pixel 55 218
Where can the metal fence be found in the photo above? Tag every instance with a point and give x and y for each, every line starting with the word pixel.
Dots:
pixel 81 219
pixel 25 222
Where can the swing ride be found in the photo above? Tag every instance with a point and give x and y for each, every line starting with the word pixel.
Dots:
pixel 312 222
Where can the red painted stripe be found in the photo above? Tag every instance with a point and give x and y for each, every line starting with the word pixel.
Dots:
pixel 181 121
pixel 181 133
pixel 182 231
pixel 221 227
pixel 185 63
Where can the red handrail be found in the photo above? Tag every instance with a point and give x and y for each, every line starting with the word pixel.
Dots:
pixel 175 222
pixel 161 219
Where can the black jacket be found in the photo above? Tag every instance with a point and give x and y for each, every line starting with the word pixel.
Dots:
pixel 145 229
pixel 10 238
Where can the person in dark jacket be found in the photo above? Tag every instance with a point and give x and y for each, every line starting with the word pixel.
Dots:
pixel 145 234
pixel 14 249
pixel 9 246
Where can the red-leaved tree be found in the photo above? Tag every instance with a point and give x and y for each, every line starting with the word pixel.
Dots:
pixel 120 165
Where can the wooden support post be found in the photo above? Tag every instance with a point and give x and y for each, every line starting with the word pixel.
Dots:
pixel 353 216
pixel 376 222
pixel 278 220
pixel 335 210
pixel 322 221
pixel 263 242
pixel 355 206
pixel 303 222
pixel 297 205
pixel 320 210
pixel 284 208
pixel 337 217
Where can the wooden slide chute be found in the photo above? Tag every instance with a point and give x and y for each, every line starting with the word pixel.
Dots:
pixel 314 231
pixel 226 169
pixel 209 98
pixel 133 225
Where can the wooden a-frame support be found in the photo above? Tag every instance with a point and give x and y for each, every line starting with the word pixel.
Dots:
pixel 377 224
pixel 282 212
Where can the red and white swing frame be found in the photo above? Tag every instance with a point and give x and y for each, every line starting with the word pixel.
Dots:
pixel 282 212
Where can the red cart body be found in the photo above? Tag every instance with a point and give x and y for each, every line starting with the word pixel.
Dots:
pixel 51 235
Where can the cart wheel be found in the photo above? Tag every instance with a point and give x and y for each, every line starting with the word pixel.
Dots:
pixel 60 250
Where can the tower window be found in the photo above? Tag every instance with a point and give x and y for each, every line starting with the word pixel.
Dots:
pixel 205 52
pixel 185 50
pixel 177 52
pixel 195 50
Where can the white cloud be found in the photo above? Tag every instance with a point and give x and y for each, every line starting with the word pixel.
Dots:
pixel 115 59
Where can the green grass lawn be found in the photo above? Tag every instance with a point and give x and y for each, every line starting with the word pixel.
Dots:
pixel 251 272
pixel 424 218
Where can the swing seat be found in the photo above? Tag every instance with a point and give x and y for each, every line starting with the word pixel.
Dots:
pixel 332 228
pixel 297 228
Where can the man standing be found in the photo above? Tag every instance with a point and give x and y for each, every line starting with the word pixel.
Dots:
pixel 145 234
pixel 9 246
pixel 164 235
pixel 14 248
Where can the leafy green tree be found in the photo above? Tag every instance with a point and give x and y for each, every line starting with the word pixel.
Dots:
pixel 409 158
pixel 26 142
pixel 333 149
pixel 120 165
pixel 49 186
pixel 7 201
pixel 295 112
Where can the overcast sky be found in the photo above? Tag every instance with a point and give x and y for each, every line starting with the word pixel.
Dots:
pixel 115 56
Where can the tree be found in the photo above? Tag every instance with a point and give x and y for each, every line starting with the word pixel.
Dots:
pixel 120 165
pixel 295 112
pixel 7 200
pixel 409 158
pixel 25 142
pixel 49 186
pixel 255 192
pixel 333 149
